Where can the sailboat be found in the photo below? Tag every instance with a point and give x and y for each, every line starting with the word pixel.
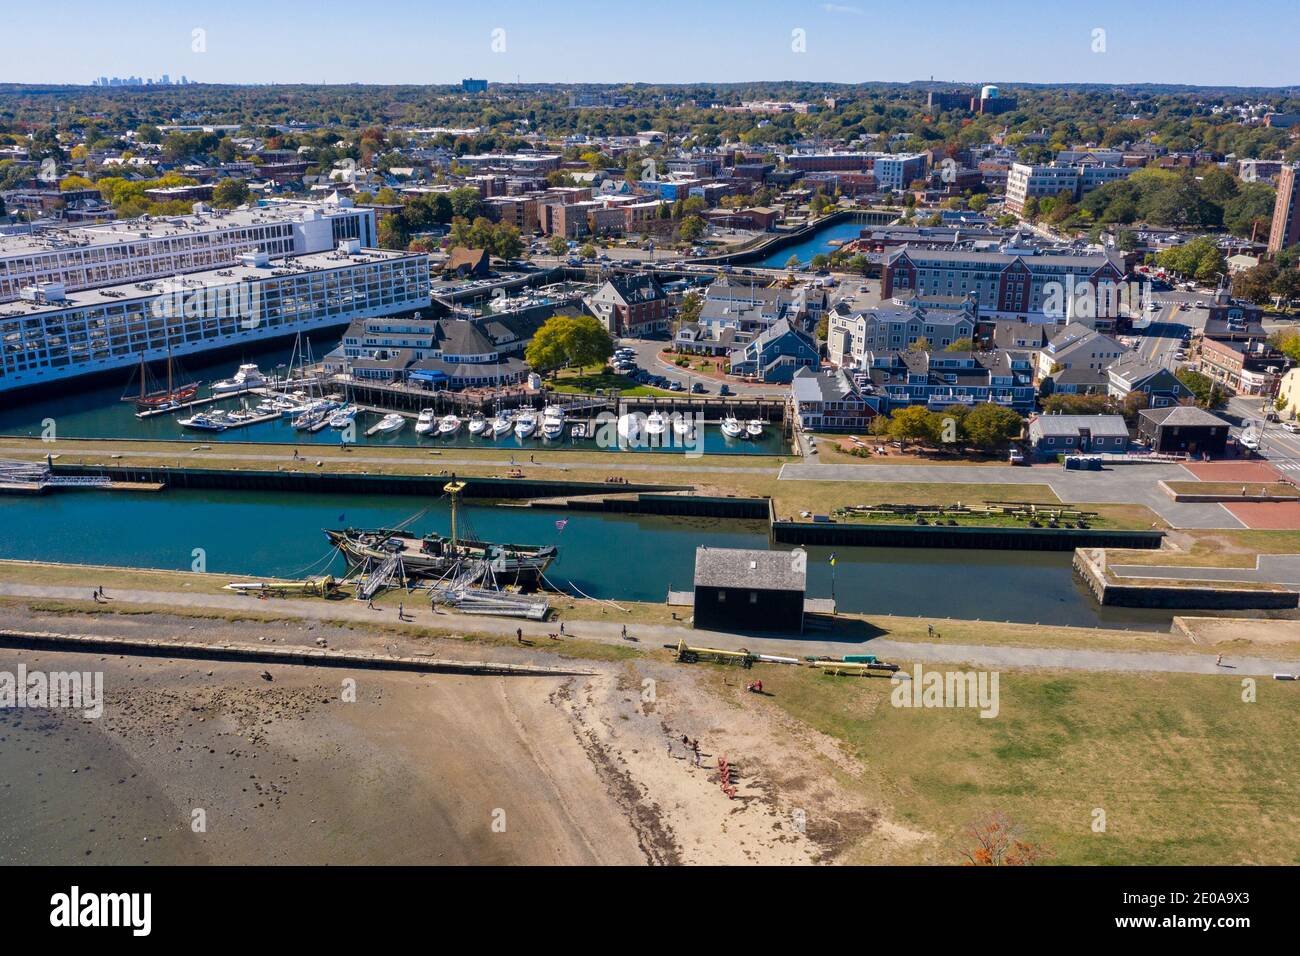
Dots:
pixel 161 399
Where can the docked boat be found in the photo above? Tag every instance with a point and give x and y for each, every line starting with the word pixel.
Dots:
pixel 161 399
pixel 247 376
pixel 437 556
pixel 578 431
pixel 502 424
pixel 683 426
pixel 754 428
pixel 311 418
pixel 526 424
pixel 656 424
pixel 478 424
pixel 448 425
pixel 343 417
pixel 552 422
pixel 217 421
pixel 630 426
pixel 390 423
pixel 732 428
pixel 427 423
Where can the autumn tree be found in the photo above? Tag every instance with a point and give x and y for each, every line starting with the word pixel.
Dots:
pixel 996 840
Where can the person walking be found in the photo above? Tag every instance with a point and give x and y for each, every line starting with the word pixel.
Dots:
pixel 625 632
pixel 519 634
pixel 561 629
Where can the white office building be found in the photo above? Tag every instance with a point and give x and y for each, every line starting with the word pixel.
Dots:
pixel 131 250
pixel 50 336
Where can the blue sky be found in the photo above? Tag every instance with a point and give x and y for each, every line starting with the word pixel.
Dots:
pixel 668 41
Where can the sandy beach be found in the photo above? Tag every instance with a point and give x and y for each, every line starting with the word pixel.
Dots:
pixel 203 762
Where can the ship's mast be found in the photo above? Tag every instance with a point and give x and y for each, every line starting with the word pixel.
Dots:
pixel 454 488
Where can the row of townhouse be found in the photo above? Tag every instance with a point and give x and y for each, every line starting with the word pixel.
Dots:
pixel 1043 286
pixel 938 321
pixel 941 379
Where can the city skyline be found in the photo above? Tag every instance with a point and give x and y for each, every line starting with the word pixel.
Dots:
pixel 1018 42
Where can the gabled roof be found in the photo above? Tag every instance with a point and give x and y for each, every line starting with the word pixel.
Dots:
pixel 1183 416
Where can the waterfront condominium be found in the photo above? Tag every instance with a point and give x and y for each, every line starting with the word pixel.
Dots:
pixel 130 250
pixel 54 336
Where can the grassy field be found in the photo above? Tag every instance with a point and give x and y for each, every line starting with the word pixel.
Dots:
pixel 595 377
pixel 1184 770
pixel 1232 489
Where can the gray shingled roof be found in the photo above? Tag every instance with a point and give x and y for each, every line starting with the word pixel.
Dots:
pixel 751 569
pixel 1181 415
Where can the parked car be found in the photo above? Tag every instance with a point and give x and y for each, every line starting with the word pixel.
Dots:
pixel 724 390
pixel 1292 427
pixel 1016 456
pixel 699 389
pixel 676 387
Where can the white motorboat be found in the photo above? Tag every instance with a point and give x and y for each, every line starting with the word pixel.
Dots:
pixel 390 423
pixel 343 417
pixel 731 427
pixel 448 425
pixel 478 424
pixel 248 376
pixel 754 428
pixel 578 431
pixel 552 422
pixel 630 426
pixel 656 424
pixel 683 426
pixel 207 422
pixel 502 424
pixel 526 424
pixel 427 422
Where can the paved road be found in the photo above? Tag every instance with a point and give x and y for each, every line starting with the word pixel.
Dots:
pixel 1118 484
pixel 654 635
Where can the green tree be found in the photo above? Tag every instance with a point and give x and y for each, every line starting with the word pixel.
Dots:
pixel 914 423
pixel 557 246
pixel 569 341
pixel 230 193
pixel 990 426
pixel 1207 391
pixel 962 345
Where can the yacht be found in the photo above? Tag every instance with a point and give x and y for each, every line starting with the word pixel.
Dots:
pixel 427 422
pixel 390 423
pixel 526 424
pixel 448 425
pixel 578 431
pixel 248 376
pixel 754 428
pixel 731 427
pixel 656 424
pixel 478 424
pixel 502 424
pixel 343 417
pixel 629 426
pixel 552 422
pixel 683 426
pixel 207 421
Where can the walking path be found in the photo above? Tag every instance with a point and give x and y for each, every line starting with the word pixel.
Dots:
pixel 651 636
pixel 678 463
pixel 1269 569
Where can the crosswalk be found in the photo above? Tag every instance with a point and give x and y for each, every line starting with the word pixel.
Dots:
pixel 1285 464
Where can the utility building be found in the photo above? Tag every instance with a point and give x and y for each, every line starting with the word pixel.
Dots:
pixel 740 589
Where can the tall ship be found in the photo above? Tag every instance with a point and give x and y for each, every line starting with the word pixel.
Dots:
pixel 152 398
pixel 438 556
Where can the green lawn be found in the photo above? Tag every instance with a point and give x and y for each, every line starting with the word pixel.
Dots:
pixel 595 377
pixel 1185 771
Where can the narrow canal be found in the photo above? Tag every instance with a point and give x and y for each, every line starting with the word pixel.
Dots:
pixel 634 558
pixel 819 242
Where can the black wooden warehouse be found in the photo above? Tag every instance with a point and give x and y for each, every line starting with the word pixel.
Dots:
pixel 738 589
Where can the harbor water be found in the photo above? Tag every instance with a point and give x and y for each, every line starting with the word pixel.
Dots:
pixel 819 242
pixel 635 558
pixel 99 412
